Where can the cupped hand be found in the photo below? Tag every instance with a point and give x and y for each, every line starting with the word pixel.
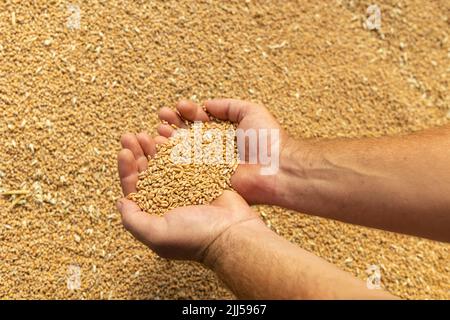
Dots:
pixel 248 181
pixel 182 233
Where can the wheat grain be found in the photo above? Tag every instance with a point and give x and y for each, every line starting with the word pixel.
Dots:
pixel 167 184
pixel 316 86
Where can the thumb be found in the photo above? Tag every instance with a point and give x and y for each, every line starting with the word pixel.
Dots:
pixel 147 228
pixel 229 109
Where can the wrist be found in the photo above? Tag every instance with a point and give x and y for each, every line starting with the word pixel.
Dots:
pixel 297 160
pixel 225 244
pixel 294 155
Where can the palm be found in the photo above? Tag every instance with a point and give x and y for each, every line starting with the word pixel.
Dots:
pixel 192 229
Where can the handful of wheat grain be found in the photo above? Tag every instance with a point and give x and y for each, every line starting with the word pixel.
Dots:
pixel 193 168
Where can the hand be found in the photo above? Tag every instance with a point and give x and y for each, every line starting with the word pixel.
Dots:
pixel 182 233
pixel 247 180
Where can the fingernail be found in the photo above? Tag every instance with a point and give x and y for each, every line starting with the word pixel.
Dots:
pixel 119 205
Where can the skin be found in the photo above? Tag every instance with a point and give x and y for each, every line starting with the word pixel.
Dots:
pixel 391 183
pixel 371 182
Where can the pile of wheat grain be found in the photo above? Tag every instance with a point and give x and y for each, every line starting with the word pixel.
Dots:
pixel 67 94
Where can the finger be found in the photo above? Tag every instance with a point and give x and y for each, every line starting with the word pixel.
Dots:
pixel 189 110
pixel 229 109
pixel 147 228
pixel 147 144
pixel 161 140
pixel 128 171
pixel 129 141
pixel 165 130
pixel 167 114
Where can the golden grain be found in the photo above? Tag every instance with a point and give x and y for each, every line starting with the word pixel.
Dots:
pixel 327 81
pixel 177 185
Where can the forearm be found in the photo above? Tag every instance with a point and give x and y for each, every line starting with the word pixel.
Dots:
pixel 256 263
pixel 394 183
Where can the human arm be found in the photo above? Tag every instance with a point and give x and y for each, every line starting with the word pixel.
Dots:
pixel 399 184
pixel 256 263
